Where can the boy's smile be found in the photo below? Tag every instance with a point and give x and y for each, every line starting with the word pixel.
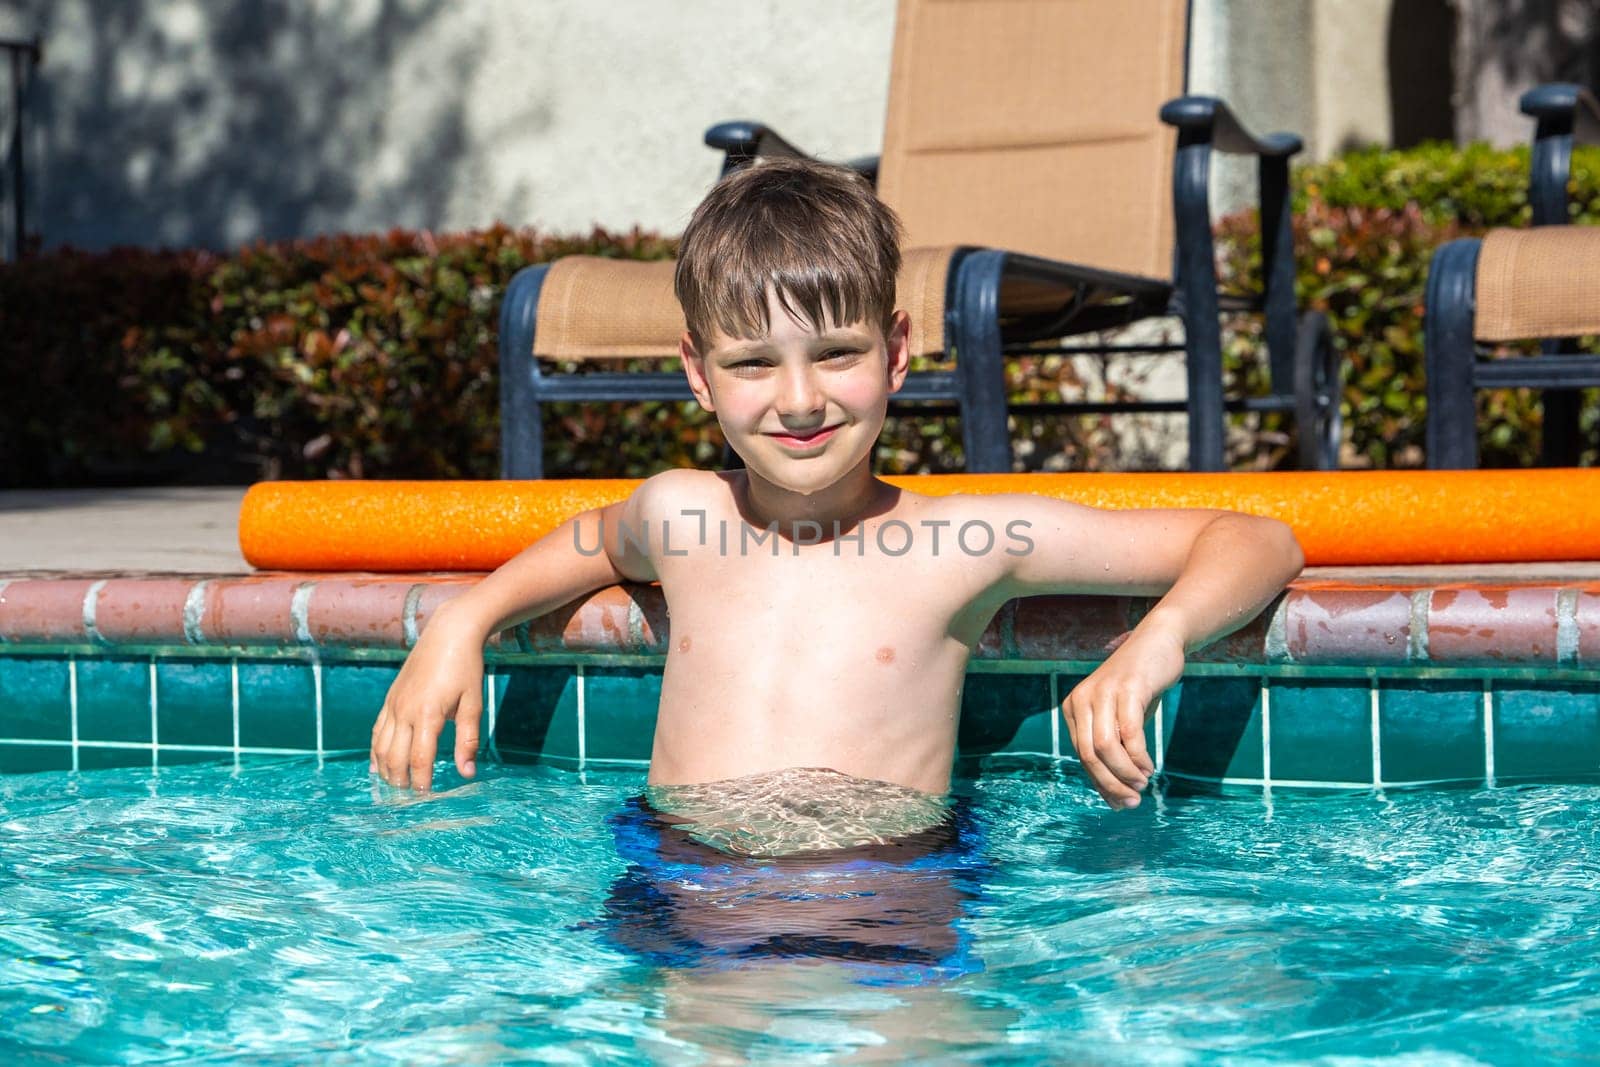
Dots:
pixel 803 406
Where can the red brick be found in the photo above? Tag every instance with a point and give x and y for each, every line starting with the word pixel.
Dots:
pixel 1070 627
pixel 655 625
pixel 43 609
pixel 358 612
pixel 250 611
pixel 1361 626
pixel 1588 612
pixel 1503 624
pixel 142 610
pixel 596 623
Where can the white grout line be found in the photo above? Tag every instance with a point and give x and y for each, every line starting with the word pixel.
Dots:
pixel 1377 748
pixel 1055 715
pixel 582 732
pixel 316 686
pixel 155 719
pixel 491 704
pixel 1266 733
pixel 1488 733
pixel 1161 731
pixel 140 746
pixel 89 599
pixel 72 704
pixel 233 671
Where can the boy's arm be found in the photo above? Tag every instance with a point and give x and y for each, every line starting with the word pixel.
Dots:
pixel 442 678
pixel 1214 571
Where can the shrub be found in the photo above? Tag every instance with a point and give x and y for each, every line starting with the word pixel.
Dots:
pixel 1366 226
pixel 374 356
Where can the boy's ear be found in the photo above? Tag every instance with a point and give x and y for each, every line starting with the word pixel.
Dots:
pixel 694 368
pixel 897 346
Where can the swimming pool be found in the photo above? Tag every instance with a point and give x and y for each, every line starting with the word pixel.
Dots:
pixel 293 909
pixel 1374 837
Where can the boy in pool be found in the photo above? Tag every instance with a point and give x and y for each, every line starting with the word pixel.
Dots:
pixel 820 617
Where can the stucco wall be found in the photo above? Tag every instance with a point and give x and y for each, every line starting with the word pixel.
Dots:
pixel 213 122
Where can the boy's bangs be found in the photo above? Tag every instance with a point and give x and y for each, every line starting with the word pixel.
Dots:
pixel 813 296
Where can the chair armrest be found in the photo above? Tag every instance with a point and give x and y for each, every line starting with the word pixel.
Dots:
pixel 1562 111
pixel 1563 102
pixel 742 141
pixel 1207 118
pixel 1205 124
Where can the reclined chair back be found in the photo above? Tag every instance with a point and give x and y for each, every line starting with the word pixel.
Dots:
pixel 1031 125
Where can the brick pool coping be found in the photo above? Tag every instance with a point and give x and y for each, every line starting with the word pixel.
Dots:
pixel 1392 622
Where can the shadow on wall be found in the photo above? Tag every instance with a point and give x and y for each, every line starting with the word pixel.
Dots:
pixel 212 125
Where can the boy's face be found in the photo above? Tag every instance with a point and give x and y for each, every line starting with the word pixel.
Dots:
pixel 802 406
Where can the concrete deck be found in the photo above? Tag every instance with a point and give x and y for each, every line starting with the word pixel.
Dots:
pixel 195 531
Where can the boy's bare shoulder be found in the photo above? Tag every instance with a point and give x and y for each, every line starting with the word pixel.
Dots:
pixel 670 493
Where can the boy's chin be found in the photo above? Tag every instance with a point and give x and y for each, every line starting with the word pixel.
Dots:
pixel 814 474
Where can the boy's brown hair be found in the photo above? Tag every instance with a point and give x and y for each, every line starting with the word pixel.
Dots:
pixel 816 234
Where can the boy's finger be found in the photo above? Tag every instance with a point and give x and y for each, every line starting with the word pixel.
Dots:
pixel 468 714
pixel 424 747
pixel 399 750
pixel 1109 747
pixel 384 749
pixel 1133 714
pixel 1105 782
pixel 379 729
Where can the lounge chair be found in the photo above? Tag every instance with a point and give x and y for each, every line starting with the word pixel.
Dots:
pixel 1043 199
pixel 1517 285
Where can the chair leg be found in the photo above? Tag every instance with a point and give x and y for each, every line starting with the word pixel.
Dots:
pixel 1449 356
pixel 1559 445
pixel 974 327
pixel 521 418
pixel 1197 282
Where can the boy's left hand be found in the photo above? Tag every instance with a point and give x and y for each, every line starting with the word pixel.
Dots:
pixel 1105 713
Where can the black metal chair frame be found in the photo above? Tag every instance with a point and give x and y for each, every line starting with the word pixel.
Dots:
pixel 1303 364
pixel 1453 368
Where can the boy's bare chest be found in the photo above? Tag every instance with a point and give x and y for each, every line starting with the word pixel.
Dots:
pixel 820 595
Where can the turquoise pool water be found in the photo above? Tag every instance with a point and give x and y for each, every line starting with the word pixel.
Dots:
pixel 288 910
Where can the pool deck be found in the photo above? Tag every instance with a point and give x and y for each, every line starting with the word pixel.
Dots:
pixel 136 570
pixel 194 531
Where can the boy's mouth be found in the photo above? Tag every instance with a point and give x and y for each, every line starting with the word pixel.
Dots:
pixel 804 440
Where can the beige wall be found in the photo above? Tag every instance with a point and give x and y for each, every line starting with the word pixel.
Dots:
pixel 214 122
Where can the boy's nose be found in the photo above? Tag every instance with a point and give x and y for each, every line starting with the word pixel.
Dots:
pixel 799 394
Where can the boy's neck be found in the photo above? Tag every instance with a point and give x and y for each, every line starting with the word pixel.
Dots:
pixel 845 502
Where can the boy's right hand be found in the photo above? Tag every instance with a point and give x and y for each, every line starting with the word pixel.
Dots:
pixel 441 680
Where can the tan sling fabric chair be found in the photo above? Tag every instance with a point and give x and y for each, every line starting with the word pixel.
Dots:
pixel 1025 153
pixel 1513 285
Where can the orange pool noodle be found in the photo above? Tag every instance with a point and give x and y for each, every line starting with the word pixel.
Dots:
pixel 1347 517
